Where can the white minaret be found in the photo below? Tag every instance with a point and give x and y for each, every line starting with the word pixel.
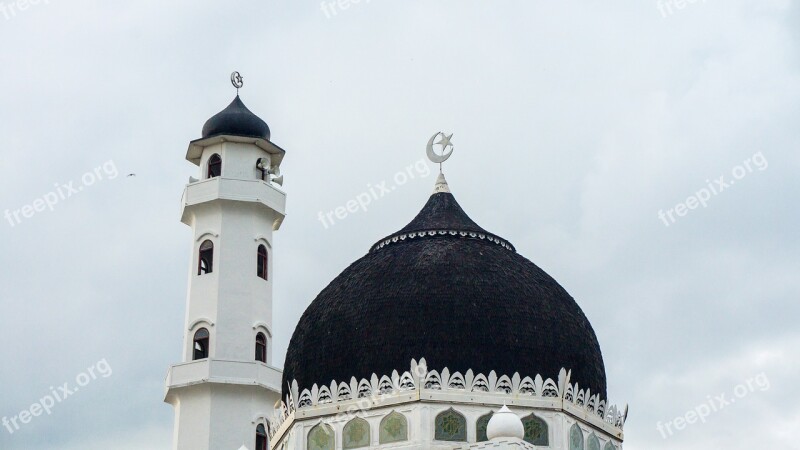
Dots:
pixel 226 388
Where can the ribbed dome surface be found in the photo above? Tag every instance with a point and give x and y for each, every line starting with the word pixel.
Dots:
pixel 236 120
pixel 456 299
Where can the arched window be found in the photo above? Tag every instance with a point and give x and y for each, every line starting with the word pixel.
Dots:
pixel 261 266
pixel 393 428
pixel 205 262
pixel 536 430
pixel 480 427
pixel 321 437
pixel 261 437
pixel 575 438
pixel 201 339
pixel 609 446
pixel 214 166
pixel 593 443
pixel 451 426
pixel 261 347
pixel 355 434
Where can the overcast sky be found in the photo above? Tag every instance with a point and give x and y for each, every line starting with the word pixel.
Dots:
pixel 575 124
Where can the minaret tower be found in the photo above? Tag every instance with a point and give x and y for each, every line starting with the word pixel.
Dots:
pixel 226 388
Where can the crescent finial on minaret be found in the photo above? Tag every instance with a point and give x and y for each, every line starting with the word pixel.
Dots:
pixel 237 80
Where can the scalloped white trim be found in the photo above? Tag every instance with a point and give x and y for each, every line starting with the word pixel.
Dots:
pixel 431 233
pixel 419 378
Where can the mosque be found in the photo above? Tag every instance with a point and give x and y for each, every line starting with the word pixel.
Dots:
pixel 441 336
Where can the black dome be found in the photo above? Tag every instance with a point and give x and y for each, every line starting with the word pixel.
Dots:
pixel 457 299
pixel 236 120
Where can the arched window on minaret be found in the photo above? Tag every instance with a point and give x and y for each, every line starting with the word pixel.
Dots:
pixel 205 263
pixel 214 166
pixel 262 267
pixel 261 347
pixel 261 437
pixel 201 341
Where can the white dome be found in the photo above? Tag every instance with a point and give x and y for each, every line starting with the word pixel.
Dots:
pixel 505 424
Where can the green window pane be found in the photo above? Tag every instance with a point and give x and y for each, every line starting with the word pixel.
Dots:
pixel 575 438
pixel 355 434
pixel 609 446
pixel 536 430
pixel 481 425
pixel 593 443
pixel 321 437
pixel 451 426
pixel 394 428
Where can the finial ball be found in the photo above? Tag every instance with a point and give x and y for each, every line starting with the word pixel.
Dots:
pixel 505 424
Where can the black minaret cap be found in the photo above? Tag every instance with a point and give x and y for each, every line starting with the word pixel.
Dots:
pixel 236 120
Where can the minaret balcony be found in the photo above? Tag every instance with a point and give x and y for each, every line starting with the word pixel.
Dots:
pixel 232 189
pixel 216 371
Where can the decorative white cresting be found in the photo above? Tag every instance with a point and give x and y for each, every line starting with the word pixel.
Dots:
pixel 441 185
pixel 505 424
pixel 490 387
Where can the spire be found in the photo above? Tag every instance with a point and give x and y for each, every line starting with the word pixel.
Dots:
pixel 441 217
pixel 441 185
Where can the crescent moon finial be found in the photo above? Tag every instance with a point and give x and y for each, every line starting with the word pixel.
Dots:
pixel 445 142
pixel 237 81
